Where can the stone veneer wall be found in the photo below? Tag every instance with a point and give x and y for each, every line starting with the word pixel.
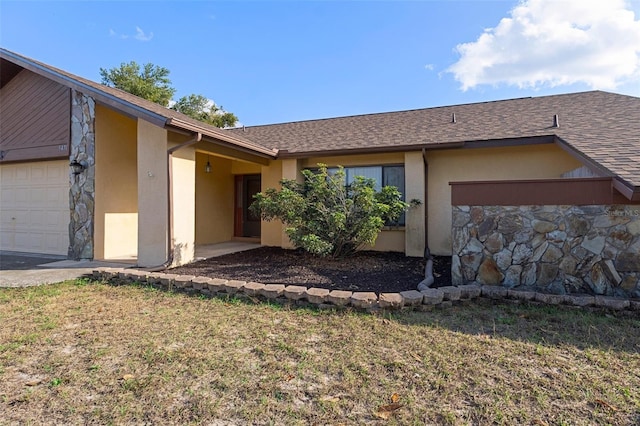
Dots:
pixel 82 186
pixel 554 249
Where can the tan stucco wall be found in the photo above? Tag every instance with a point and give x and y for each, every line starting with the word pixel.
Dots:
pixel 214 199
pixel 507 163
pixel 414 180
pixel 271 233
pixel 183 163
pixel 244 168
pixel 152 194
pixel 116 186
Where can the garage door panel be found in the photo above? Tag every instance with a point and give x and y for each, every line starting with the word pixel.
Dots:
pixel 34 214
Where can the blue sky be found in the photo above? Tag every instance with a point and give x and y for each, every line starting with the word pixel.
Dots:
pixel 271 62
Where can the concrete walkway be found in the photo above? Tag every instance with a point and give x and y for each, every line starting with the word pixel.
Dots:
pixel 27 269
pixel 30 269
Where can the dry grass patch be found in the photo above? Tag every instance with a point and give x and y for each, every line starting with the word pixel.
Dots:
pixel 92 353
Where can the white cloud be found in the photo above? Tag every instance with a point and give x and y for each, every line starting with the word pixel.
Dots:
pixel 552 43
pixel 142 36
pixel 429 67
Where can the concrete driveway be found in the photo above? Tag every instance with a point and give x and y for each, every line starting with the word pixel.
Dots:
pixel 27 269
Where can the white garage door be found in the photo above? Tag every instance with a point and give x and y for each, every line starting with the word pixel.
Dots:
pixel 34 207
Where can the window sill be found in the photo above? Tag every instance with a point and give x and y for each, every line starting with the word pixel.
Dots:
pixel 393 228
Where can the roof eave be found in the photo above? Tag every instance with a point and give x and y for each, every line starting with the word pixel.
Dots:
pixel 225 137
pixel 100 96
pixel 632 193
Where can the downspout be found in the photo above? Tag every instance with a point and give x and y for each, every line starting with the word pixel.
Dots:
pixel 170 247
pixel 427 252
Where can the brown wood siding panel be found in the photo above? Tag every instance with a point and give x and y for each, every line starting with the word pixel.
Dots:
pixel 594 191
pixel 35 118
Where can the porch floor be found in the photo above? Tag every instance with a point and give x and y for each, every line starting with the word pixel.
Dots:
pixel 206 251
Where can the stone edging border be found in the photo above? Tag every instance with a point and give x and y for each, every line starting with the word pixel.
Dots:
pixel 420 300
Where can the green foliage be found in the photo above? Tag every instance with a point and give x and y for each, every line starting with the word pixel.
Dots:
pixel 151 82
pixel 203 109
pixel 325 216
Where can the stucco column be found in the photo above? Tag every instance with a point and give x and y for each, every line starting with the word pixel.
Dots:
pixel 415 180
pixel 152 194
pixel 183 164
pixel 290 170
pixel 271 232
pixel 82 185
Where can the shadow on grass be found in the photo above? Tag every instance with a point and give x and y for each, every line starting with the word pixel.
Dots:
pixel 533 323
pixel 539 324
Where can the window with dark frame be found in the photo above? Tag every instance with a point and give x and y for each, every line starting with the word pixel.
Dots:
pixel 383 176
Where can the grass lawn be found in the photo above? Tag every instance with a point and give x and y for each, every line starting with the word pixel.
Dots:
pixel 84 352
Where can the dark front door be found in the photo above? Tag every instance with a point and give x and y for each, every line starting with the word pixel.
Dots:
pixel 246 223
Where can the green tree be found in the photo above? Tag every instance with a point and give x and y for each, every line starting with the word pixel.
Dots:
pixel 203 109
pixel 325 216
pixel 151 82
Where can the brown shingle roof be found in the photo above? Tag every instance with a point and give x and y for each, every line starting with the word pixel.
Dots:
pixel 604 127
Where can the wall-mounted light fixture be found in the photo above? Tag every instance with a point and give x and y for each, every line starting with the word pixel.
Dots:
pixel 207 168
pixel 77 167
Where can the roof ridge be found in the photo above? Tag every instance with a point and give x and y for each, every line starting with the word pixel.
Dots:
pixel 314 120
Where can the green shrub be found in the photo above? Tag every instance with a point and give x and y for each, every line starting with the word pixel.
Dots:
pixel 325 216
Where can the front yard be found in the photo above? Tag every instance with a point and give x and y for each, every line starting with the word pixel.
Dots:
pixel 84 352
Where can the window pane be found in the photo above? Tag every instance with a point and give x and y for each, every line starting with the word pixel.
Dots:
pixel 368 172
pixel 394 176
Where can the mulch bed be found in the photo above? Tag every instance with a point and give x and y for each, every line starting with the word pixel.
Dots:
pixel 380 272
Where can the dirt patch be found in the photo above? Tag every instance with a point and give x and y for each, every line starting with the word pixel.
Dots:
pixel 380 272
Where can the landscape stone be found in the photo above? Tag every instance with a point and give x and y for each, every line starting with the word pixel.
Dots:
pixel 183 281
pixel 363 300
pixel 199 283
pixel 233 286
pixel 470 291
pixel 579 300
pixel 411 297
pixel 390 300
pixel 450 293
pixel 272 291
pixel 339 297
pixel 252 288
pixel 494 292
pixel 216 285
pixel 612 303
pixel 432 296
pixel 549 299
pixel 317 295
pixel 295 292
pixel 521 294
